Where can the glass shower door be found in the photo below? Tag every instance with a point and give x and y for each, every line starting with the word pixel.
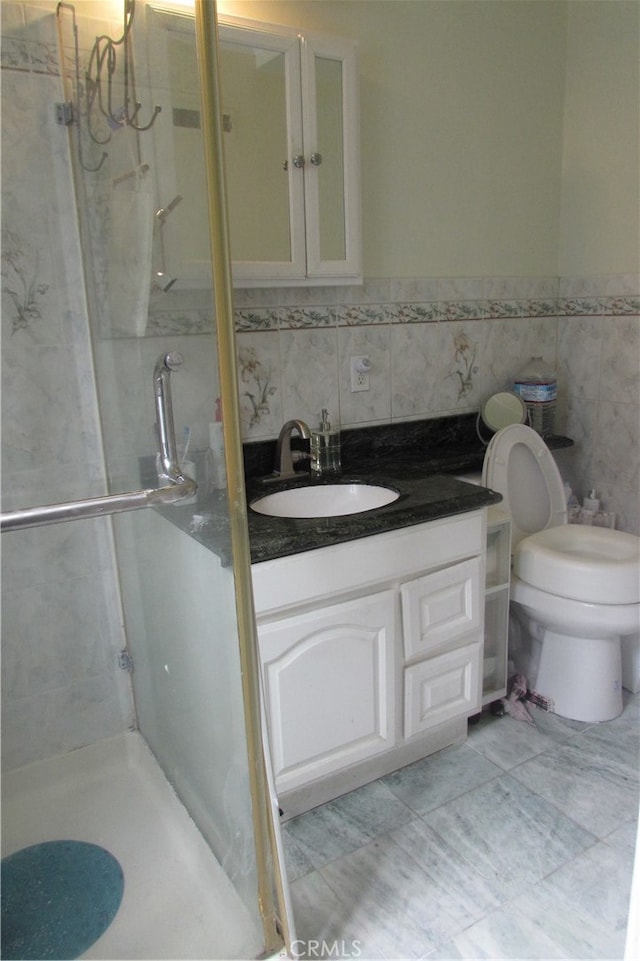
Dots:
pixel 137 140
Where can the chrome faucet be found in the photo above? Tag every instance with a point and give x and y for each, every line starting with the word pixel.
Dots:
pixel 284 455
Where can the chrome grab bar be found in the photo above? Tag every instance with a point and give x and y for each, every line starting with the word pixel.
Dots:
pixel 168 466
pixel 174 485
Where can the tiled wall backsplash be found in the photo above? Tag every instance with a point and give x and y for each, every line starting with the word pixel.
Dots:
pixel 439 346
pixel 436 346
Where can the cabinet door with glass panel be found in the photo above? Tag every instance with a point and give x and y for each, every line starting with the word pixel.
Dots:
pixel 290 118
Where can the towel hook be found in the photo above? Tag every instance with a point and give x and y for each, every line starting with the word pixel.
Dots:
pixel 99 82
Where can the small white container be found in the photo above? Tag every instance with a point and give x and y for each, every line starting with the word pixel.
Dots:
pixel 215 466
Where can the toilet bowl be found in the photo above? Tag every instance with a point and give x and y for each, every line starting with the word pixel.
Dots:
pixel 575 591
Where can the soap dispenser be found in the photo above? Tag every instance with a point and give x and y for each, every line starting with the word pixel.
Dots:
pixel 325 447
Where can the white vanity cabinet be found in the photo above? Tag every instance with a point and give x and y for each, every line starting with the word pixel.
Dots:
pixel 442 621
pixel 371 653
pixel 496 605
pixel 328 687
pixel 291 140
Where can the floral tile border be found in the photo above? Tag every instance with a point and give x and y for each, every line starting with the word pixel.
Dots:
pixel 353 314
pixel 621 306
pixel 256 318
pixel 186 319
pixel 416 313
pixel 296 317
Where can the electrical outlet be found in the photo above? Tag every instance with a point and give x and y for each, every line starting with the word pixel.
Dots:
pixel 360 367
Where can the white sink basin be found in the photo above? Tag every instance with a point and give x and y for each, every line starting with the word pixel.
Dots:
pixel 326 500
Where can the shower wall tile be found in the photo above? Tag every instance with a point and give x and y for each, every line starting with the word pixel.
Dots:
pixel 622 285
pixel 369 292
pixel 58 552
pixel 619 369
pixel 461 289
pixel 414 370
pixel 307 296
pixel 309 374
pixel 413 290
pixel 445 344
pixel 460 349
pixel 40 405
pixel 252 297
pixel 62 720
pixel 260 384
pixel 599 389
pixel 579 348
pixel 617 458
pixel 61 612
pixel 373 405
pixel 581 422
pixel 505 344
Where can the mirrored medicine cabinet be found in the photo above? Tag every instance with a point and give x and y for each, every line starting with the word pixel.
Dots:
pixel 291 141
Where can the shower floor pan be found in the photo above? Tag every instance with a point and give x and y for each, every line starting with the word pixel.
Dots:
pixel 178 902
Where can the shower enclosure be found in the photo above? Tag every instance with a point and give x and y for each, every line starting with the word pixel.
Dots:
pixel 130 691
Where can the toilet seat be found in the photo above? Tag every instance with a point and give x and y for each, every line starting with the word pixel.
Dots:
pixel 519 465
pixel 591 564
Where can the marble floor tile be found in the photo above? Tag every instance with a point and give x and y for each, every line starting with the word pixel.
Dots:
pixel 598 884
pixel 596 787
pixel 619 740
pixel 524 850
pixel 463 890
pixel 534 926
pixel 347 823
pixel 507 742
pixel 624 838
pixel 298 864
pixel 509 834
pixel 325 925
pixel 438 779
pixel 395 905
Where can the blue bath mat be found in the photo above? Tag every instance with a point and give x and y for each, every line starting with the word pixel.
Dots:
pixel 57 899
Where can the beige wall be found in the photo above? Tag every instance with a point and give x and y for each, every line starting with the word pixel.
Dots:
pixel 600 172
pixel 499 137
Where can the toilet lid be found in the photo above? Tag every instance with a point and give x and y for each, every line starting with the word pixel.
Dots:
pixel 519 465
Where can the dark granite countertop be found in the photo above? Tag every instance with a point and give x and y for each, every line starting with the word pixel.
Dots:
pixel 424 496
pixel 419 459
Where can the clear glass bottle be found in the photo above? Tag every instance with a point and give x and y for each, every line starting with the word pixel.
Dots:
pixel 537 385
pixel 325 447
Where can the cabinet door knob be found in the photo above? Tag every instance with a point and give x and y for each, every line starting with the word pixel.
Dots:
pixel 316 159
pixel 298 160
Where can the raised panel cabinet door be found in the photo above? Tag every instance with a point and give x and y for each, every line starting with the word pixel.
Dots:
pixel 441 607
pixel 328 680
pixel 442 688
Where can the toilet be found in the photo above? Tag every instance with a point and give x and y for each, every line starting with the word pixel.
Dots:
pixel 575 590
